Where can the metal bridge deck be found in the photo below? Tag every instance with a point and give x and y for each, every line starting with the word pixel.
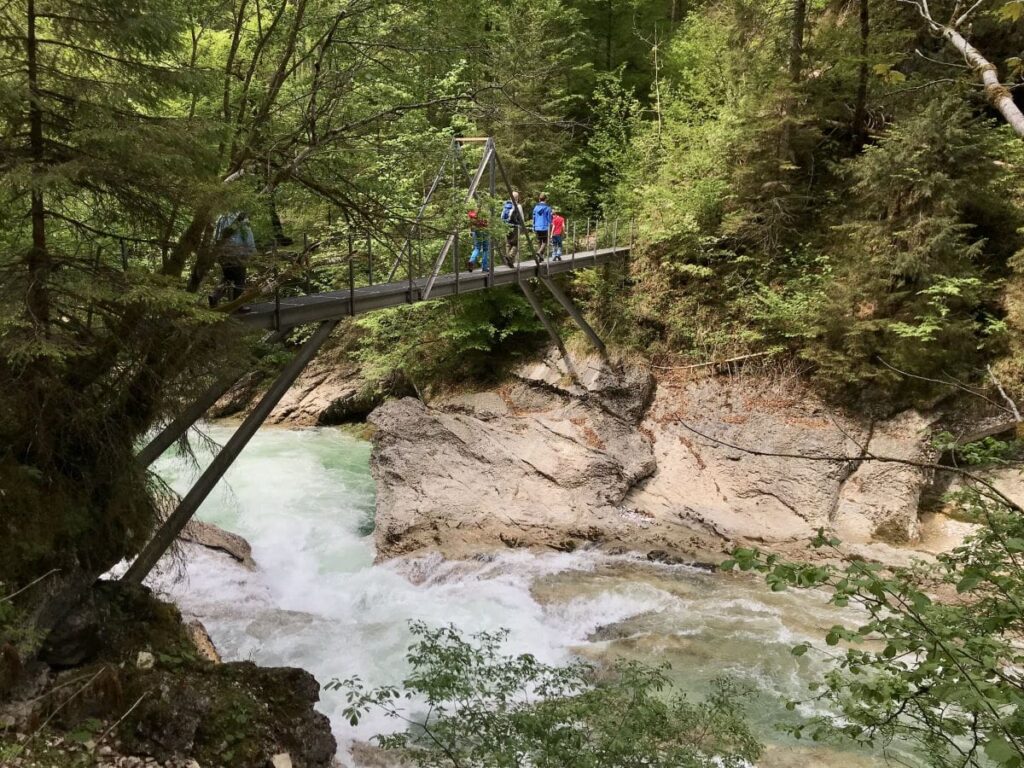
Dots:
pixel 337 304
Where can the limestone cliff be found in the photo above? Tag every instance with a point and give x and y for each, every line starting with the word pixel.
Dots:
pixel 692 466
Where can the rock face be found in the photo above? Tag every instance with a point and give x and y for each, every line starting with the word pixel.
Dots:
pixel 228 714
pixel 691 469
pixel 165 705
pixel 707 482
pixel 203 642
pixel 532 466
pixel 330 391
pixel 880 500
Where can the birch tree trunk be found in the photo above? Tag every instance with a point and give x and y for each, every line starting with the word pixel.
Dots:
pixel 996 93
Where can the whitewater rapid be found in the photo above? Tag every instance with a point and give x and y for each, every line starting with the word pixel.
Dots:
pixel 304 499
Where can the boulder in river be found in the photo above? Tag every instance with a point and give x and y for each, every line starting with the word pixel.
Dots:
pixel 228 714
pixel 213 537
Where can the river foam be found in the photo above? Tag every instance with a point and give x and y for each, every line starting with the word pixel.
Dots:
pixel 303 499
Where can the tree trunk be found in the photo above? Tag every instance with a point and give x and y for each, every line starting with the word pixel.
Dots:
pixel 996 93
pixel 796 45
pixel 860 109
pixel 39 263
pixel 189 242
pixel 796 63
pixel 609 26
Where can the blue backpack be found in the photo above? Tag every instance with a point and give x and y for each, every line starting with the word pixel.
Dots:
pixel 506 212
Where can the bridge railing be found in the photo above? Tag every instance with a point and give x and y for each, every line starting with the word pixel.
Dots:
pixel 352 259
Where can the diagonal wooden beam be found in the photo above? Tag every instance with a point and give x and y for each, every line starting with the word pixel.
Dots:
pixel 170 529
pixel 549 326
pixel 171 433
pixel 576 315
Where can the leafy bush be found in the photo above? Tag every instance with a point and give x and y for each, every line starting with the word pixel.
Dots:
pixel 445 342
pixel 937 661
pixel 467 705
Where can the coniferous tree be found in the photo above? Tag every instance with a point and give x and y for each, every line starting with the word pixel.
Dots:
pixel 91 342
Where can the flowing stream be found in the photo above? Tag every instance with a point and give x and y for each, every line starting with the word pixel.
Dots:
pixel 304 499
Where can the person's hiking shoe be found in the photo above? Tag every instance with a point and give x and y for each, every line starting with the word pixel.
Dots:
pixel 470 265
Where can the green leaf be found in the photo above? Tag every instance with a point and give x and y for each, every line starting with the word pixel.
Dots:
pixel 799 650
pixel 1002 752
pixel 1012 11
pixel 968 582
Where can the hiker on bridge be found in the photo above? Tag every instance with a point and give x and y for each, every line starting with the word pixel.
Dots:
pixel 557 236
pixel 512 215
pixel 542 214
pixel 233 239
pixel 481 242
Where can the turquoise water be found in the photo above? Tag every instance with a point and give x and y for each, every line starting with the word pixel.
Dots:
pixel 304 499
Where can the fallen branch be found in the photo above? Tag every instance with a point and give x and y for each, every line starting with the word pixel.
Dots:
pixel 712 363
pixel 1009 400
pixel 8 598
pixel 120 720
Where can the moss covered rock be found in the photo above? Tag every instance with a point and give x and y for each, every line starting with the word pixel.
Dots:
pixel 229 714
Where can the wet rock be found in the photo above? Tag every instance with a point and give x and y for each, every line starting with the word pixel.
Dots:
pixel 202 641
pixel 77 638
pixel 661 556
pixel 213 537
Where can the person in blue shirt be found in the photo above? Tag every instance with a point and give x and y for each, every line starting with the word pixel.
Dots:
pixel 235 244
pixel 542 215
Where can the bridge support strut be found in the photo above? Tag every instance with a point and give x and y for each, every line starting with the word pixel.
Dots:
pixel 576 315
pixel 179 518
pixel 550 328
pixel 184 421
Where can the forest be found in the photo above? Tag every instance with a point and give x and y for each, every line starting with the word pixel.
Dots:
pixel 833 183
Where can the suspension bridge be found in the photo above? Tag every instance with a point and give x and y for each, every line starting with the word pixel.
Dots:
pixel 406 282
